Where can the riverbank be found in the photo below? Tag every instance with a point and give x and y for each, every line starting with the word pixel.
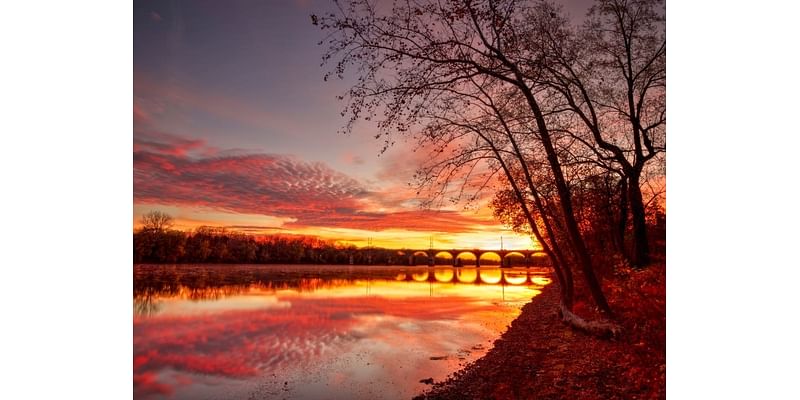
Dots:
pixel 539 357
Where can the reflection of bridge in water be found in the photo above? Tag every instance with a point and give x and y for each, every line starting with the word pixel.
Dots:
pixel 460 257
pixel 490 276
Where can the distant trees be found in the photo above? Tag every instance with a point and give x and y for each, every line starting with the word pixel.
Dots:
pixel 156 240
pixel 509 88
pixel 157 221
pixel 154 243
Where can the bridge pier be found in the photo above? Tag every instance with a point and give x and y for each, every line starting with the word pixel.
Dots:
pixel 430 257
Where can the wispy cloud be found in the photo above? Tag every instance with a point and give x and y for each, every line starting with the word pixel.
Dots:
pixel 174 170
pixel 165 143
pixel 176 99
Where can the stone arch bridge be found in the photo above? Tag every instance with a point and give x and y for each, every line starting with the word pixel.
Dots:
pixel 477 276
pixel 456 256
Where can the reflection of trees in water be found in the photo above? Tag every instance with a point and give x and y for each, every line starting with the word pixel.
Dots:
pixel 213 282
pixel 169 279
pixel 145 304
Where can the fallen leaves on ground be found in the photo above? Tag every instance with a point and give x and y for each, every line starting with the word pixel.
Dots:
pixel 541 358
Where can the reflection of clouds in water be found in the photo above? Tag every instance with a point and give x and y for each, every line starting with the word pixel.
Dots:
pixel 194 344
pixel 236 344
pixel 245 343
pixel 408 326
pixel 393 355
pixel 148 306
pixel 241 303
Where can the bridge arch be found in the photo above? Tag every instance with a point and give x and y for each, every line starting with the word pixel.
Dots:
pixel 399 257
pixel 515 259
pixel 539 259
pixel 490 258
pixel 419 257
pixel 466 258
pixel 443 258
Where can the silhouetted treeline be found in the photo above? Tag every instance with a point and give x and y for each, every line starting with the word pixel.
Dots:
pixel 216 245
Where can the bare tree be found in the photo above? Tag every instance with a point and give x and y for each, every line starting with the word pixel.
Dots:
pixel 156 221
pixel 462 79
pixel 611 75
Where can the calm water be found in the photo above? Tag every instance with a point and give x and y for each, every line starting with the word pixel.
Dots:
pixel 315 332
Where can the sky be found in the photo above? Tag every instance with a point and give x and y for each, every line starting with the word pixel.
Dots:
pixel 233 126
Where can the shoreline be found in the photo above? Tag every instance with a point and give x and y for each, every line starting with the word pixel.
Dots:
pixel 539 357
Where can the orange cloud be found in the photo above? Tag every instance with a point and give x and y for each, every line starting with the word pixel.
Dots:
pixel 171 170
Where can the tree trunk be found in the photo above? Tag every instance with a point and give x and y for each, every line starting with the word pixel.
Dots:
pixel 603 329
pixel 641 250
pixel 565 199
pixel 622 221
pixel 563 273
pixel 578 245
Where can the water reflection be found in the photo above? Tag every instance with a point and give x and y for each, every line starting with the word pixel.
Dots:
pixel 421 276
pixel 443 274
pixel 310 331
pixel 484 275
pixel 467 275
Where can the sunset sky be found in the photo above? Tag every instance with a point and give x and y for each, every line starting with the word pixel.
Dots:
pixel 235 127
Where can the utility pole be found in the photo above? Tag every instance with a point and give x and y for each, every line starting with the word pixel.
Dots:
pixel 431 257
pixel 369 251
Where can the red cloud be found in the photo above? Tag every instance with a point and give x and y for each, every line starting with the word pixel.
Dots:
pixel 164 143
pixel 145 383
pixel 172 170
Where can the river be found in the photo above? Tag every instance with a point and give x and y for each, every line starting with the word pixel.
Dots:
pixel 315 332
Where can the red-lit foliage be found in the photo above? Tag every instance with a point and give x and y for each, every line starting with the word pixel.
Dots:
pixel 541 358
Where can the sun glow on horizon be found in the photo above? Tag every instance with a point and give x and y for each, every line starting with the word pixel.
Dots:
pixel 488 236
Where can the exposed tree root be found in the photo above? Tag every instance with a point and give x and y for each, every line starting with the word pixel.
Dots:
pixel 600 328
